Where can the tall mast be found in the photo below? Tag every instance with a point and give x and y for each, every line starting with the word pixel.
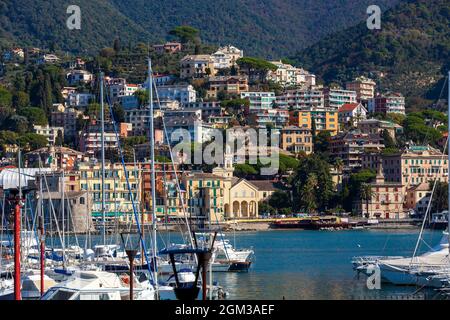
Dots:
pixel 103 157
pixel 448 160
pixel 152 171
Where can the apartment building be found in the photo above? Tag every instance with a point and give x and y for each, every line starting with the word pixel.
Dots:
pixel 290 76
pixel 412 166
pixel 90 140
pixel 208 108
pixel 336 98
pixel 259 100
pixel 391 102
pixel 51 133
pixel 118 87
pixel 276 118
pixel 226 57
pixel 197 66
pixel 296 140
pixel 184 94
pixel 364 88
pixel 231 85
pixel 79 100
pixel 68 120
pixel 386 201
pixel 352 146
pixel 119 199
pixel 75 77
pixel 378 126
pixel 302 99
pixel 324 120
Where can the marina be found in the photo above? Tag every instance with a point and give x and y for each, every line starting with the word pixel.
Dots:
pixel 315 265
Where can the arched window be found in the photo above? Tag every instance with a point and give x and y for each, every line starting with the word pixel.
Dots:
pixel 82 200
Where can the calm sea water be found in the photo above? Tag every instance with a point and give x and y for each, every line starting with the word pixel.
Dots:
pixel 309 264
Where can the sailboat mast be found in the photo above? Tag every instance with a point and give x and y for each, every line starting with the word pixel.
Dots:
pixel 103 156
pixel 448 160
pixel 152 171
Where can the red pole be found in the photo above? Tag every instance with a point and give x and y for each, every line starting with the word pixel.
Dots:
pixel 42 255
pixel 17 293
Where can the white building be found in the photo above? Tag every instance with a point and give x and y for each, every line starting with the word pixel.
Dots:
pixel 226 57
pixel 118 87
pixel 390 102
pixel 79 76
pixel 51 133
pixel 290 76
pixel 352 113
pixel 48 58
pixel 182 93
pixel 80 100
pixel 302 99
pixel 336 98
pixel 259 100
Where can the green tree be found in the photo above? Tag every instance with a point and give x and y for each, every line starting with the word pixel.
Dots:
pixel 5 97
pixel 388 141
pixel 280 199
pixel 21 100
pixel 323 191
pixel 256 68
pixel 32 141
pixel 321 142
pixel 185 33
pixel 35 116
pixel 308 194
pixel 439 201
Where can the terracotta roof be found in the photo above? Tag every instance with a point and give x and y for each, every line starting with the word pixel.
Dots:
pixel 348 107
pixel 264 185
pixel 424 186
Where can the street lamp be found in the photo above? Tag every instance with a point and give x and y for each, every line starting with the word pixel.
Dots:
pixel 130 243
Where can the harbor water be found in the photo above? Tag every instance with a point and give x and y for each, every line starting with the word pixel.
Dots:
pixel 299 264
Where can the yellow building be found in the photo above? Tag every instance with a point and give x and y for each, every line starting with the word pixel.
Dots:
pixel 324 120
pixel 118 199
pixel 296 140
pixel 219 196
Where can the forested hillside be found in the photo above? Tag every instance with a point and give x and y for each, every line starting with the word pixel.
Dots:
pixel 43 24
pixel 410 53
pixel 267 28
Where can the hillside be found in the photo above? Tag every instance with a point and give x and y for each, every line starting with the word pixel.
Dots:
pixel 268 28
pixel 410 53
pixel 43 24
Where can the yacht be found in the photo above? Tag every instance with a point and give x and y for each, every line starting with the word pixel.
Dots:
pixel 408 270
pixel 98 285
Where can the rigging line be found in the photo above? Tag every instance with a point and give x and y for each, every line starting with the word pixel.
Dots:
pixel 175 171
pixel 52 208
pixel 152 280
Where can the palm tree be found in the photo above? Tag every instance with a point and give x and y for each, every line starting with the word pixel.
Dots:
pixel 366 193
pixel 339 165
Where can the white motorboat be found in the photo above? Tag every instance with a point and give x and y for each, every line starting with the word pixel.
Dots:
pixel 98 285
